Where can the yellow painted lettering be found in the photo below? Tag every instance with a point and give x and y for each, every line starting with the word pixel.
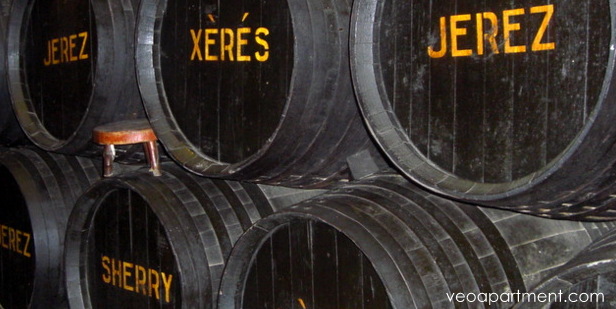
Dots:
pixel 82 54
pixel 493 32
pixel 480 35
pixel 18 234
pixel 127 273
pixel 54 49
pixel 154 284
pixel 71 47
pixel 141 280
pixel 209 42
pixel 224 46
pixel 549 11
pixel 116 272
pixel 12 239
pixel 107 274
pixel 196 37
pixel 64 50
pixel 241 42
pixel 26 252
pixel 136 278
pixel 5 235
pixel 167 285
pixel 509 27
pixel 47 60
pixel 228 44
pixel 262 56
pixel 443 49
pixel 457 32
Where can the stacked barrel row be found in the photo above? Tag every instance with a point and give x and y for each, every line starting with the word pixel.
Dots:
pixel 178 241
pixel 165 239
pixel 517 118
pixel 320 153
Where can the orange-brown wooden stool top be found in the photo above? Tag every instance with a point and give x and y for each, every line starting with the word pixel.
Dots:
pixel 125 133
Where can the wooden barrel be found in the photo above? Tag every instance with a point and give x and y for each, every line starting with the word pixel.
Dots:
pixel 139 241
pixel 587 281
pixel 10 132
pixel 70 68
pixel 257 91
pixel 38 191
pixel 382 243
pixel 506 104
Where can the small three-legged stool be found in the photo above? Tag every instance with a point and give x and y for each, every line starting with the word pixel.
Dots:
pixel 125 133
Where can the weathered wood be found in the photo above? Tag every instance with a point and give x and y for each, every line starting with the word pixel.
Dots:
pixel 71 68
pixel 138 241
pixel 506 104
pixel 127 132
pixel 385 243
pixel 124 132
pixel 10 132
pixel 38 190
pixel 255 91
pixel 586 281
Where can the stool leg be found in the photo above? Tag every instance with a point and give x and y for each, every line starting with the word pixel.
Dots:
pixel 151 153
pixel 108 157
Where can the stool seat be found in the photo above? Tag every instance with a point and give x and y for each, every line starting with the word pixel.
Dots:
pixel 127 132
pixel 124 132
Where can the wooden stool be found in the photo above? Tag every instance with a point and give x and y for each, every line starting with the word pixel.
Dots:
pixel 125 133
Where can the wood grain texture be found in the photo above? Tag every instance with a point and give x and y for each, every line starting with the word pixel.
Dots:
pixel 587 280
pixel 383 242
pixel 504 104
pixel 39 191
pixel 70 68
pixel 126 232
pixel 256 91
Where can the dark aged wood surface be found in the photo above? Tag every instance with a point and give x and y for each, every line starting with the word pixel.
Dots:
pixel 60 54
pixel 502 103
pixel 226 69
pixel 255 91
pixel 70 68
pixel 423 249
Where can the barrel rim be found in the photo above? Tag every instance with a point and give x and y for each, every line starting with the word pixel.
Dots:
pixel 107 27
pixel 27 184
pixel 43 176
pixel 397 146
pixel 244 252
pixel 5 105
pixel 587 264
pixel 79 230
pixel 157 105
